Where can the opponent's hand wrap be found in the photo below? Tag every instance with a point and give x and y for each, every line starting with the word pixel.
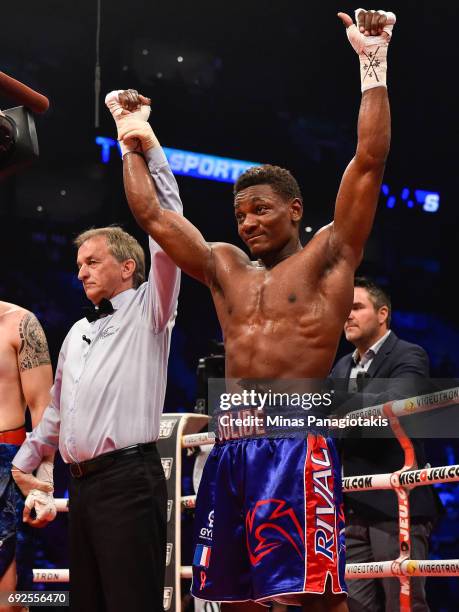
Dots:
pixel 372 52
pixel 120 115
pixel 41 501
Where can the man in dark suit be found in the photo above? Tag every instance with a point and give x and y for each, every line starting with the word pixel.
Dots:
pixel 372 516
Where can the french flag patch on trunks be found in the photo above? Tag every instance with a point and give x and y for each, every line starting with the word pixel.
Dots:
pixel 202 555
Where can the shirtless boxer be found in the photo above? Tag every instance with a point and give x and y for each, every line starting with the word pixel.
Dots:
pixel 25 380
pixel 281 319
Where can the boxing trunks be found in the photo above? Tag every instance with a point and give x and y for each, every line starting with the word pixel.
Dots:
pixel 269 520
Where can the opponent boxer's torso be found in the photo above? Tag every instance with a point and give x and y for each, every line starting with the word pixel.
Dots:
pixel 283 322
pixel 12 402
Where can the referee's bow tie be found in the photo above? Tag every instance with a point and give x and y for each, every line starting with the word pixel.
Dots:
pixel 92 313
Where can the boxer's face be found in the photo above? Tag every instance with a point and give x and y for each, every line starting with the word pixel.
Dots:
pixel 102 275
pixel 266 221
pixel 365 323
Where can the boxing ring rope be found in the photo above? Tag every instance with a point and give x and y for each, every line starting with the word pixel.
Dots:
pixel 376 569
pixel 62 504
pixel 401 481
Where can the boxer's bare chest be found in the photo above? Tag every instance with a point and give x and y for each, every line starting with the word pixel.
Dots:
pixel 282 321
pixel 256 296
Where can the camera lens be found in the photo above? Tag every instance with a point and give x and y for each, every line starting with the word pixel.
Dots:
pixel 7 137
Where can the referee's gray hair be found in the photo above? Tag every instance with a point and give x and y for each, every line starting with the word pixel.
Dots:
pixel 121 245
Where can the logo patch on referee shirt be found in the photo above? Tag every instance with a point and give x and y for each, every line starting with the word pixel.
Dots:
pixel 108 331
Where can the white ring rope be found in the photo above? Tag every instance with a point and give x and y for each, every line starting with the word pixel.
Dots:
pixel 199 439
pixel 411 405
pixel 377 569
pixel 62 504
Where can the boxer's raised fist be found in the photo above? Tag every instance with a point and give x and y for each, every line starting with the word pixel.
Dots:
pixel 131 100
pixel 369 23
pixel 124 105
pixel 370 39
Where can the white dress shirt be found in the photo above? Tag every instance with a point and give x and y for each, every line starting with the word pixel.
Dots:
pixel 109 393
pixel 361 364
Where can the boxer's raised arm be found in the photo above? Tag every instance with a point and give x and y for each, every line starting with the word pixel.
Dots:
pixel 178 237
pixel 182 242
pixel 360 186
pixel 361 183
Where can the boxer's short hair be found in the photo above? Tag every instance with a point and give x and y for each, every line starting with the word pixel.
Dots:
pixel 280 179
pixel 121 245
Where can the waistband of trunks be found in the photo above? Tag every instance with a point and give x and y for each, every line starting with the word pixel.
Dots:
pixel 13 436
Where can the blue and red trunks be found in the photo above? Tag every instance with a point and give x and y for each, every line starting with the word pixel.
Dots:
pixel 269 521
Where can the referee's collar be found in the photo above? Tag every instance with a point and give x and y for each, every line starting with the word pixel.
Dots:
pixel 120 298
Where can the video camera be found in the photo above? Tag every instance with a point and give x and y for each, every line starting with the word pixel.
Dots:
pixel 18 136
pixel 18 140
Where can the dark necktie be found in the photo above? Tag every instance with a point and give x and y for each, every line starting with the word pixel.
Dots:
pixel 361 378
pixel 92 313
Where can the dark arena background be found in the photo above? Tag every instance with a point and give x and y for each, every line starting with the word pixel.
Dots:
pixel 268 82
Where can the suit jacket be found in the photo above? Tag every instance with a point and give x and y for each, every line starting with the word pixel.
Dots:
pixel 408 366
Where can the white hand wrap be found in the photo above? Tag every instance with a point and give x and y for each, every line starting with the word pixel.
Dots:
pixel 137 131
pixel 372 52
pixel 120 114
pixel 41 502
